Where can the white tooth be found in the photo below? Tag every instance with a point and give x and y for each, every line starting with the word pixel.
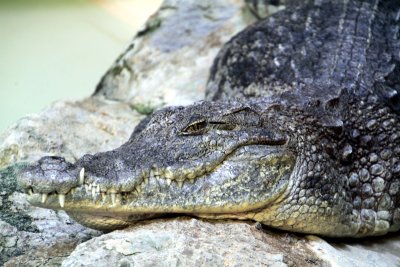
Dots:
pixel 168 173
pixel 113 198
pixel 146 180
pixel 81 176
pixel 208 166
pixel 90 187
pixel 138 189
pixel 30 191
pixel 145 174
pixel 93 192
pixel 191 175
pixel 180 184
pixel 191 181
pixel 98 189
pixel 103 196
pixel 61 199
pixel 73 190
pixel 44 198
pixel 87 188
pixel 168 181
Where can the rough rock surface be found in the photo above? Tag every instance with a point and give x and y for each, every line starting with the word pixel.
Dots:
pixel 192 242
pixel 166 64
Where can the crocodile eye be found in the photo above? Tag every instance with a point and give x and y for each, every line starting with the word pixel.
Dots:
pixel 195 127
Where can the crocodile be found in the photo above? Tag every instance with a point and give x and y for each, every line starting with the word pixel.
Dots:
pixel 299 131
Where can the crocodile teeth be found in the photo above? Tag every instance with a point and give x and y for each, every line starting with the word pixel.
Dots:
pixel 113 198
pixel 138 189
pixel 94 192
pixel 168 173
pixel 87 188
pixel 44 198
pixel 61 200
pixel 208 167
pixel 81 176
pixel 168 181
pixel 146 180
pixel 103 196
pixel 180 184
pixel 30 191
pixel 98 189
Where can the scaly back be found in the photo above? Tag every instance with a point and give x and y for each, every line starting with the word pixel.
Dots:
pixel 317 49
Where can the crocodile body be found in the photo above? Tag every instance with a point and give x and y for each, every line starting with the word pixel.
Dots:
pixel 299 131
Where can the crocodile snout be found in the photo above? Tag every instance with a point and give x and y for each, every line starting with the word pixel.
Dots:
pixel 50 175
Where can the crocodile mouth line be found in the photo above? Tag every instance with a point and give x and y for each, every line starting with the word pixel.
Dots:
pixel 86 190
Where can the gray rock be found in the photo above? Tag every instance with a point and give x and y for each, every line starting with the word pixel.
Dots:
pixel 70 129
pixel 167 63
pixel 381 252
pixel 169 60
pixel 191 242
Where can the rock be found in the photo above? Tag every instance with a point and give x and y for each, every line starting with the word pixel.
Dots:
pixel 191 242
pixel 384 251
pixel 167 63
pixel 169 60
pixel 70 129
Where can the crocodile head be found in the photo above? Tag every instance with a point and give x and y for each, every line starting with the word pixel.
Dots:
pixel 208 159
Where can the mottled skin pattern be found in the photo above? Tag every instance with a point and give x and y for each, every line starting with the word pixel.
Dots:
pixel 299 131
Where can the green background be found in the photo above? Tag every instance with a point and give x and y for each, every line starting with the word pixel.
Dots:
pixel 52 50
